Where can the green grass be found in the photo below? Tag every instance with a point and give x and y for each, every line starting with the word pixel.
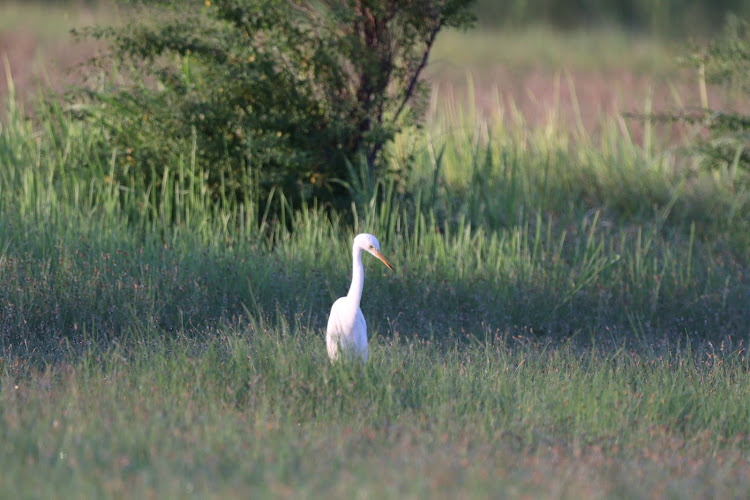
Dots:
pixel 567 318
pixel 256 409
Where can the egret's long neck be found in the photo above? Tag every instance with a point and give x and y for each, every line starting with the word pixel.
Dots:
pixel 358 276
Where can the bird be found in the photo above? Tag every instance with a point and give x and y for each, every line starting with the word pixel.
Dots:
pixel 347 330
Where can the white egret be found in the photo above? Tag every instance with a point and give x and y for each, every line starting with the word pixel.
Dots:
pixel 347 329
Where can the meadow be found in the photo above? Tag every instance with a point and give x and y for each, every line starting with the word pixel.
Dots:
pixel 567 317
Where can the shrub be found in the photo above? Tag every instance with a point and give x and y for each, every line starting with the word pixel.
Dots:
pixel 267 94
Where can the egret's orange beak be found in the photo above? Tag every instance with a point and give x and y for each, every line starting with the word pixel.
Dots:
pixel 382 258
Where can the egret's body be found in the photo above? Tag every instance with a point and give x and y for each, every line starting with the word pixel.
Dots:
pixel 347 329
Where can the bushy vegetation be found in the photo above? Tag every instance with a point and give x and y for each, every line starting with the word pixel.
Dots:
pixel 268 96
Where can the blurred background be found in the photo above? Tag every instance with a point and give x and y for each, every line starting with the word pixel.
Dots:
pixel 661 17
pixel 665 18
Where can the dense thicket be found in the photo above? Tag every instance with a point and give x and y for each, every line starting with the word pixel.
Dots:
pixel 267 96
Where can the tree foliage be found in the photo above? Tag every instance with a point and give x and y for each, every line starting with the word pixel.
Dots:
pixel 285 93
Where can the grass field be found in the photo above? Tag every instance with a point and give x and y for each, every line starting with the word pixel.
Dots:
pixel 255 409
pixel 567 319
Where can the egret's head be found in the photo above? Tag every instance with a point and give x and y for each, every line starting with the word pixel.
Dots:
pixel 370 244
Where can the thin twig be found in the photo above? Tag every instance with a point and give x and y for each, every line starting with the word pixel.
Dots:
pixel 415 77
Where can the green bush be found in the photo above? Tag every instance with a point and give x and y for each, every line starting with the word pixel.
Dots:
pixel 268 95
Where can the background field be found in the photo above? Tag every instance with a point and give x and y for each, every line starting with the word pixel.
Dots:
pixel 567 318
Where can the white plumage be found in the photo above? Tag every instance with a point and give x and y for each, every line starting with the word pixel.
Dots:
pixel 347 329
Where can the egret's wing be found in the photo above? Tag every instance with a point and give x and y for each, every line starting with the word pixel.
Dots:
pixel 346 329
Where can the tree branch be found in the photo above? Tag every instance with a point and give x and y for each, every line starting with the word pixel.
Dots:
pixel 409 92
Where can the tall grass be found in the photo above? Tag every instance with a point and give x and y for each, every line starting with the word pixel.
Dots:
pixel 553 326
pixel 506 229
